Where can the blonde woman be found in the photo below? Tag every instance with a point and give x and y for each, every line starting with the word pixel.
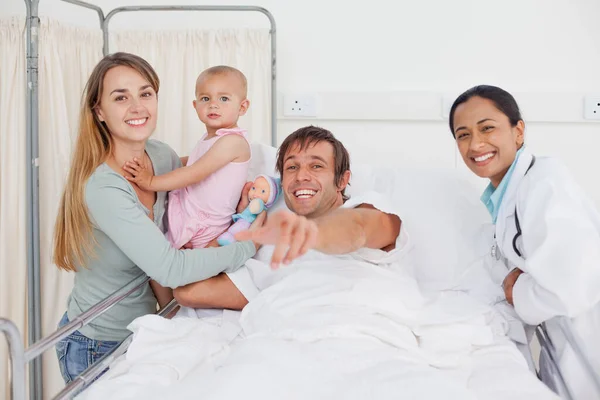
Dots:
pixel 108 230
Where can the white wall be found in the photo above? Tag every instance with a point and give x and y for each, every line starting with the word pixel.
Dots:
pixel 377 54
pixel 546 52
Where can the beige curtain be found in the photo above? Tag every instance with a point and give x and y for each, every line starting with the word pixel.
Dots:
pixel 67 56
pixel 13 201
pixel 180 56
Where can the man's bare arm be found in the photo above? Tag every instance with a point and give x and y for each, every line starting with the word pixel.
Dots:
pixel 346 230
pixel 339 232
pixel 163 294
pixel 216 292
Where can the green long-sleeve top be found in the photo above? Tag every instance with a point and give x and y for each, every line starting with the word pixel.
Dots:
pixel 129 243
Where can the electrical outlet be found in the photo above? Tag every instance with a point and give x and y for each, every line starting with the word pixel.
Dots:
pixel 300 105
pixel 592 107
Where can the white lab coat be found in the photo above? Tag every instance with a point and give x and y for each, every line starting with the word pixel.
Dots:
pixel 560 247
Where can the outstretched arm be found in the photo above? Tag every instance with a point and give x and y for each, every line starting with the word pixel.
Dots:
pixel 339 232
pixel 231 148
pixel 347 230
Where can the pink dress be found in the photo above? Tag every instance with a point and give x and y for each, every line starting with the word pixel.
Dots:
pixel 201 212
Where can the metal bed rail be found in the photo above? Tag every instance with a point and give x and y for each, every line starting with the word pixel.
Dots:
pixel 548 349
pixel 19 357
pixel 94 371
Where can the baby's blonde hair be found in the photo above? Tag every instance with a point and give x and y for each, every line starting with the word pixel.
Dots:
pixel 224 70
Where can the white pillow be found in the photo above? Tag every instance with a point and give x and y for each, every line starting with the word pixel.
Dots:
pixel 263 161
pixel 446 222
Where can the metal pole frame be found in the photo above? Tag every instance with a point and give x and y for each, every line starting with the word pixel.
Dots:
pixel 573 340
pixel 33 217
pixel 105 20
pixel 547 348
pixel 17 358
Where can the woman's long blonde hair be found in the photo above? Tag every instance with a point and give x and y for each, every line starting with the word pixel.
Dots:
pixel 73 240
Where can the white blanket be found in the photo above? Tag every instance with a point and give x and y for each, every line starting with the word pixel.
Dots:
pixel 335 328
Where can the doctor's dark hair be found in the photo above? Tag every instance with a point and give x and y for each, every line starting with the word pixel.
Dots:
pixel 503 101
pixel 310 136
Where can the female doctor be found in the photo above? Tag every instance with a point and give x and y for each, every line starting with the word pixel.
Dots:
pixel 547 232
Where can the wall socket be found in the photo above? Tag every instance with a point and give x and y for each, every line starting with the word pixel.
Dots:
pixel 591 107
pixel 300 105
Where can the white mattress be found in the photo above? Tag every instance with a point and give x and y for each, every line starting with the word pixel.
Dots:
pixel 323 331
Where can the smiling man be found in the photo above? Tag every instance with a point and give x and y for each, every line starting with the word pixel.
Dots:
pixel 315 171
pixel 315 168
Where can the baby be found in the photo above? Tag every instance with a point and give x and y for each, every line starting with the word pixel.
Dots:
pixel 205 192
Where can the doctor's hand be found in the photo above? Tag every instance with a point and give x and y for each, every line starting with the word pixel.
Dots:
pixel 509 283
pixel 293 235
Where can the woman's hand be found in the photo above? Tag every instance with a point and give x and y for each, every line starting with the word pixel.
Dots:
pixel 509 283
pixel 257 224
pixel 293 235
pixel 213 243
pixel 140 175
pixel 244 197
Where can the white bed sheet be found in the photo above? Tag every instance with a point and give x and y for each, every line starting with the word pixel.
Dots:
pixel 435 326
pixel 327 330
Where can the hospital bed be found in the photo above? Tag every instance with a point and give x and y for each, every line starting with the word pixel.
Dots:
pixel 432 270
pixel 20 356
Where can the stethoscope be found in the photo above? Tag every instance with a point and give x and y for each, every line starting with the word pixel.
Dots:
pixel 495 251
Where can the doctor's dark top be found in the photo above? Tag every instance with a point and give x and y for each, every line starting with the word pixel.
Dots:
pixel 129 243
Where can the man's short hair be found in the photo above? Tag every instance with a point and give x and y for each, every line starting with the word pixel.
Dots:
pixel 310 136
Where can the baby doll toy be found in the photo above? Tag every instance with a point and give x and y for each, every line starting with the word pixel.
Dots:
pixel 263 194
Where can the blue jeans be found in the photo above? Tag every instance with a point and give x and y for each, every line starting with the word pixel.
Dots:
pixel 77 352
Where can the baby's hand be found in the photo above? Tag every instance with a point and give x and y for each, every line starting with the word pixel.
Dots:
pixel 243 203
pixel 139 174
